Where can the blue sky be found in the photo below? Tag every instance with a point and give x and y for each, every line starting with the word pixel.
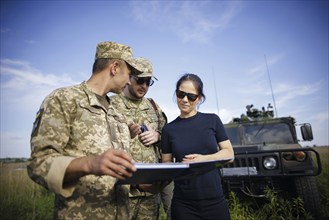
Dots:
pixel 51 44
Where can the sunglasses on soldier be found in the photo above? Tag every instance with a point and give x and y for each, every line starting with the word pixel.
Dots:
pixel 141 81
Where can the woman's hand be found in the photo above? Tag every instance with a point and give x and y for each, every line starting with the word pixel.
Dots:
pixel 193 158
pixel 225 151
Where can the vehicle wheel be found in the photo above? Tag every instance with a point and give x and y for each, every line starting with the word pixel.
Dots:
pixel 307 190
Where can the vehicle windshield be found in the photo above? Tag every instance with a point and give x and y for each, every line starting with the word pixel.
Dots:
pixel 260 134
pixel 267 133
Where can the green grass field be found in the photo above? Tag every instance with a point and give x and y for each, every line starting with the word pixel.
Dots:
pixel 23 199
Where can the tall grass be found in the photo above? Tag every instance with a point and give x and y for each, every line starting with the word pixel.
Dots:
pixel 323 180
pixel 273 208
pixel 20 198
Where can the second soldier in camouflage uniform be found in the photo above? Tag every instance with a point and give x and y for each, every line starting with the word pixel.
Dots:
pixel 79 142
pixel 141 111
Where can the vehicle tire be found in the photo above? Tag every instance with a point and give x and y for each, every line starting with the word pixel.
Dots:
pixel 307 190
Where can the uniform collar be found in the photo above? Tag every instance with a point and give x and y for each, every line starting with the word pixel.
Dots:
pixel 134 104
pixel 93 100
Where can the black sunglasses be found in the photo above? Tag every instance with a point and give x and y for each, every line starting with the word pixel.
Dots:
pixel 191 97
pixel 141 81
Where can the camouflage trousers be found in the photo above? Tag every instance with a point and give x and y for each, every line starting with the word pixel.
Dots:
pixel 144 207
pixel 166 196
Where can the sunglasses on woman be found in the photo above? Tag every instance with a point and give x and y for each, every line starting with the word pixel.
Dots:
pixel 141 81
pixel 190 96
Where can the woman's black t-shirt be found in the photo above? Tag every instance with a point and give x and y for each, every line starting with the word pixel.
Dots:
pixel 199 134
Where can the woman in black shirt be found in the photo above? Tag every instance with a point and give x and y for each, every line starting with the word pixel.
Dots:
pixel 195 137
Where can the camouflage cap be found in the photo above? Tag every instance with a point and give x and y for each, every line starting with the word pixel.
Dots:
pixel 114 50
pixel 147 70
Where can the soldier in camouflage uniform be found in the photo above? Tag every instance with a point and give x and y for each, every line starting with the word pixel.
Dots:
pixel 79 141
pixel 143 113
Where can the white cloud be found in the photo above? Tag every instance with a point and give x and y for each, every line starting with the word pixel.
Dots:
pixel 191 21
pixel 322 116
pixel 287 92
pixel 23 85
pixel 20 75
pixel 283 92
pixel 261 69
pixel 226 115
pixel 258 83
pixel 22 90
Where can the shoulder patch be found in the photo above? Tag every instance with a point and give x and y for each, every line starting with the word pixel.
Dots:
pixel 36 123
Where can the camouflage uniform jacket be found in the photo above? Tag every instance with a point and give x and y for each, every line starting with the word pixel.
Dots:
pixel 72 123
pixel 140 112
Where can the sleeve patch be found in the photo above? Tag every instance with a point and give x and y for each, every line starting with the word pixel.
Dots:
pixel 36 123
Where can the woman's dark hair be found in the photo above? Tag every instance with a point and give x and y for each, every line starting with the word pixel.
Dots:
pixel 197 82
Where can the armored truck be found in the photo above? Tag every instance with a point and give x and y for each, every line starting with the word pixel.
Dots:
pixel 268 155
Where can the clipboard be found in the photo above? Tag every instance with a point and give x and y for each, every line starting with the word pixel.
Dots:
pixel 148 173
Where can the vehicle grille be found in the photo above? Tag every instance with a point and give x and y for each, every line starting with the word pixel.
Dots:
pixel 244 162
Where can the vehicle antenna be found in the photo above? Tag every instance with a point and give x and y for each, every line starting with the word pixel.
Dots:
pixel 213 75
pixel 269 78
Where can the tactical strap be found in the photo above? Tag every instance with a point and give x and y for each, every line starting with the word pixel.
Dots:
pixel 156 149
pixel 156 110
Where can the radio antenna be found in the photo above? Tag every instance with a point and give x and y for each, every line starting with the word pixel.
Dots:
pixel 269 78
pixel 213 75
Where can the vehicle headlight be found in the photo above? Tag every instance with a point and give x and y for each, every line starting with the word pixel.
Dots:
pixel 299 155
pixel 295 155
pixel 269 163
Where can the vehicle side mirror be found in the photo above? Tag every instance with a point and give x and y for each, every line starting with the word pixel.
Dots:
pixel 306 130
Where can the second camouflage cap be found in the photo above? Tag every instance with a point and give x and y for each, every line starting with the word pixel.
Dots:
pixel 147 70
pixel 114 50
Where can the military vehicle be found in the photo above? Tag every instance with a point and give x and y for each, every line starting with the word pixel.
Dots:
pixel 268 155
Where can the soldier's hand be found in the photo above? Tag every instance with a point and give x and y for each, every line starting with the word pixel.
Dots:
pixel 116 163
pixel 149 137
pixel 134 129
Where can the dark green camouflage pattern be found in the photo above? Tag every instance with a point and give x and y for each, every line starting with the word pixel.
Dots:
pixel 72 123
